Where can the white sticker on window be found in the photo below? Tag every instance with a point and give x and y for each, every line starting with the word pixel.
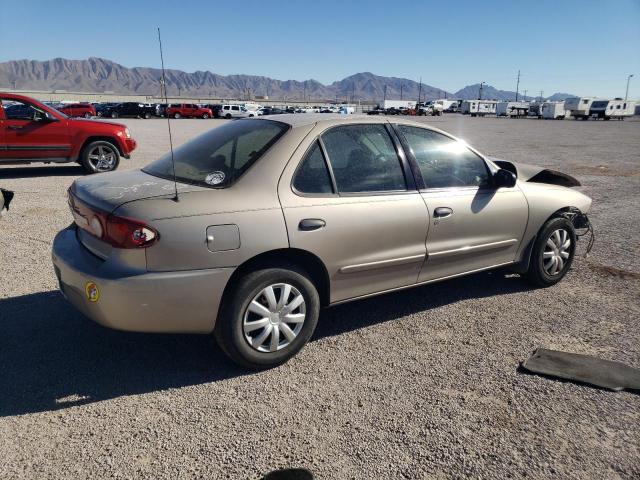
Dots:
pixel 215 178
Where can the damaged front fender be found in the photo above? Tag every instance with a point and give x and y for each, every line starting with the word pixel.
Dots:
pixel 536 174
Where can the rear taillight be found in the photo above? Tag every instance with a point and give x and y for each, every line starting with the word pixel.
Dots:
pixel 120 232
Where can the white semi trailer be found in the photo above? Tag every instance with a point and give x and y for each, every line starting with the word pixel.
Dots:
pixel 553 110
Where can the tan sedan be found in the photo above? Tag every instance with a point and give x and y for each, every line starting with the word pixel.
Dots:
pixel 271 219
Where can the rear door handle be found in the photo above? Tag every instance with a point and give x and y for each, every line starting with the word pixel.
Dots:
pixel 15 127
pixel 309 224
pixel 442 212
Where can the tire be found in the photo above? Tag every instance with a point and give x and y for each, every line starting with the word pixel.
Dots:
pixel 147 115
pixel 92 159
pixel 545 251
pixel 205 116
pixel 114 114
pixel 176 115
pixel 235 315
pixel 228 116
pixel 87 115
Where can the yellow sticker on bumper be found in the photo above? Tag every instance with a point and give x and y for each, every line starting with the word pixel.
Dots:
pixel 92 292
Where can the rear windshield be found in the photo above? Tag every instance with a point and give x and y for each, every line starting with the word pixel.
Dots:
pixel 218 157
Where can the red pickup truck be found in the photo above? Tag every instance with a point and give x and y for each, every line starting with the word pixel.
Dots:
pixel 85 110
pixel 177 110
pixel 33 132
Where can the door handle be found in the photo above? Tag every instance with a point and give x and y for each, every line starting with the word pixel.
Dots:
pixel 309 224
pixel 15 127
pixel 442 212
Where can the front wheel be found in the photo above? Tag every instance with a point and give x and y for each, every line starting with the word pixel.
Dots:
pixel 147 115
pixel 205 116
pixel 114 114
pixel 553 252
pixel 270 315
pixel 87 115
pixel 176 115
pixel 99 157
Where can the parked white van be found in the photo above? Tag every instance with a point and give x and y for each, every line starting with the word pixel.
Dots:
pixel 236 111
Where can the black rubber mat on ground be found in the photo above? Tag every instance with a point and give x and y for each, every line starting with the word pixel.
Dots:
pixel 584 369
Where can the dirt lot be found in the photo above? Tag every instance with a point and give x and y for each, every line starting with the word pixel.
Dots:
pixel 417 384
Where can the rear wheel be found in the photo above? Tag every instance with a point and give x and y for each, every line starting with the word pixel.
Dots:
pixel 99 157
pixel 553 252
pixel 176 115
pixel 147 115
pixel 114 114
pixel 87 115
pixel 270 315
pixel 227 116
pixel 205 116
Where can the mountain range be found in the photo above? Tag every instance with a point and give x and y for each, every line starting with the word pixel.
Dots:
pixel 97 75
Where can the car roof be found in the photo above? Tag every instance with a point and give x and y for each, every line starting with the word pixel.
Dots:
pixel 303 119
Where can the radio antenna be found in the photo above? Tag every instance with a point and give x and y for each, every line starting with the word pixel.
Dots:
pixel 166 101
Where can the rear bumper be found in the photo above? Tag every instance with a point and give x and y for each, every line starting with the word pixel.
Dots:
pixel 140 301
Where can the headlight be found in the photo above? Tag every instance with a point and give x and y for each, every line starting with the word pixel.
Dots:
pixel 127 133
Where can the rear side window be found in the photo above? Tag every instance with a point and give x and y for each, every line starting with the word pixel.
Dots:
pixel 363 159
pixel 445 162
pixel 312 175
pixel 218 157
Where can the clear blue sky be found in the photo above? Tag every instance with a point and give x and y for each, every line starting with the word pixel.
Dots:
pixel 586 47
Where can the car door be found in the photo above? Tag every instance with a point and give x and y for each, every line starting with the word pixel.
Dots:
pixel 28 132
pixel 473 225
pixel 349 198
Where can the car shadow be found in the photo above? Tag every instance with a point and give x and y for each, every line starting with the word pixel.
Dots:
pixel 51 357
pixel 46 171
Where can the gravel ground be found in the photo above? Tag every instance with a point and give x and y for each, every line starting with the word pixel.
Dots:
pixel 417 384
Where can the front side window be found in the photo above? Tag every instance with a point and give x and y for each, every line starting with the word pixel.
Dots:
pixel 312 175
pixel 18 110
pixel 445 162
pixel 363 159
pixel 218 157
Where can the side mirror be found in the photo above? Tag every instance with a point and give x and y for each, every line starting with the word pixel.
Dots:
pixel 504 178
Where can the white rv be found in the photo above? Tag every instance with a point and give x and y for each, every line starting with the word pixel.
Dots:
pixel 512 109
pixel 578 107
pixel 446 104
pixel 616 108
pixel 478 107
pixel 553 110
pixel 398 104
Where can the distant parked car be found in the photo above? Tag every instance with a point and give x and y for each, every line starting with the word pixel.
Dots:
pixel 34 132
pixel 272 111
pixel 215 109
pixel 129 109
pixel 188 110
pixel 101 107
pixel 377 111
pixel 161 109
pixel 234 111
pixel 5 199
pixel 85 110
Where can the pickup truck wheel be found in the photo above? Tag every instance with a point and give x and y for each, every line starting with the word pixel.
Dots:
pixel 114 114
pixel 269 316
pixel 176 115
pixel 99 157
pixel 552 253
pixel 147 115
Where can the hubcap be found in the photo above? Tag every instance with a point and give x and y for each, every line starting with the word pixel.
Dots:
pixel 274 317
pixel 556 252
pixel 102 158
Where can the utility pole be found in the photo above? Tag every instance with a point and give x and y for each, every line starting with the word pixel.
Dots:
pixel 401 91
pixel 525 95
pixel 480 92
pixel 384 98
pixel 625 95
pixel 419 92
pixel 541 97
pixel 518 85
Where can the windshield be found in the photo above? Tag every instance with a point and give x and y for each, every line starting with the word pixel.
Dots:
pixel 218 157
